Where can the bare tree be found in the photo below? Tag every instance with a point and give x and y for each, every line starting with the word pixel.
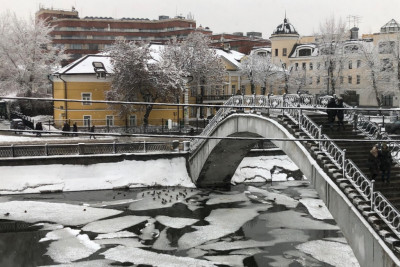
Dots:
pixel 330 41
pixel 27 55
pixel 137 74
pixel 260 71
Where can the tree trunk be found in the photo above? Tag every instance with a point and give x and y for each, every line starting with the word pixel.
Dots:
pixel 375 88
pixel 149 108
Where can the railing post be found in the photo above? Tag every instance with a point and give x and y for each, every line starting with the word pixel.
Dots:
pixel 12 151
pixel 81 148
pixel 300 115
pixel 344 163
pixel 383 120
pixel 319 137
pixel 355 122
pixel 144 146
pixel 114 147
pixel 283 104
pixel 46 149
pixel 372 194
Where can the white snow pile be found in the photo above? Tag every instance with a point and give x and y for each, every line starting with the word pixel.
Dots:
pixel 258 169
pixel 59 213
pixel 333 253
pixel 70 177
pixel 221 224
pixel 175 222
pixel 69 246
pixel 140 256
pixel 295 220
pixel 114 225
pixel 317 208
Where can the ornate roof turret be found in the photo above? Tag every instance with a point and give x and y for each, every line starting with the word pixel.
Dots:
pixel 391 26
pixel 285 28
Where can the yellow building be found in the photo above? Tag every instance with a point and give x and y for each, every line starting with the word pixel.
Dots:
pixel 79 81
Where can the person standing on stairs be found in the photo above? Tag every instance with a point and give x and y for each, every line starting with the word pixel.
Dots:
pixel 340 113
pixel 386 162
pixel 331 111
pixel 373 162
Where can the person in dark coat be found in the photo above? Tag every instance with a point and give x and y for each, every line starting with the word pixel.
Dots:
pixel 373 162
pixel 92 131
pixel 39 127
pixel 331 112
pixel 75 129
pixel 340 112
pixel 385 158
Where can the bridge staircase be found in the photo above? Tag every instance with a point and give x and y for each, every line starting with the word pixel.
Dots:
pixel 358 153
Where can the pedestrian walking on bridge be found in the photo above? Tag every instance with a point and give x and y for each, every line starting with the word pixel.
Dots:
pixel 331 111
pixel 386 162
pixel 373 161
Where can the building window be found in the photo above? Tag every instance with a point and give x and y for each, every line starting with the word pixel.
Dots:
pixel 358 63
pixel 284 52
pixel 296 66
pixel 386 47
pixel 341 79
pixel 387 100
pixel 350 79
pixel 110 120
pixel 86 120
pixel 386 64
pixel 132 120
pixel 318 80
pixel 76 46
pixel 276 52
pixel 311 66
pixel 86 97
pixel 358 79
pixel 304 52
pixel 233 88
pixel 304 66
pixel 350 64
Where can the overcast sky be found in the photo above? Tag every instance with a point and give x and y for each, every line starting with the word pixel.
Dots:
pixel 229 16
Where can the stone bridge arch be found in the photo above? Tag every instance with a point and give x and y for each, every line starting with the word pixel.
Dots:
pixel 214 161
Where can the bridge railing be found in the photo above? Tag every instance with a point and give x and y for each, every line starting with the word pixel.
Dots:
pixel 88 148
pixel 389 214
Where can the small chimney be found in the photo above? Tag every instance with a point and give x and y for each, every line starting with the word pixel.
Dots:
pixel 354 33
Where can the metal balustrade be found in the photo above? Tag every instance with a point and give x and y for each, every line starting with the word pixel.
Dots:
pixel 84 149
pixel 389 214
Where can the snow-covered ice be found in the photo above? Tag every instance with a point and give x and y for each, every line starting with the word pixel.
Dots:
pixel 234 245
pixel 115 224
pixel 60 213
pixel 140 256
pixel 295 220
pixel 333 253
pixel 97 263
pixel 317 208
pixel 227 198
pixel 121 234
pixel 230 260
pixel 162 242
pixel 69 246
pixel 175 222
pixel 126 242
pixel 278 198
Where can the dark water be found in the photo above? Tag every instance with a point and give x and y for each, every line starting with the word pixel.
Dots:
pixel 20 246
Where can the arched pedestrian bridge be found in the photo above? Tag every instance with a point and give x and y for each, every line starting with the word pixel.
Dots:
pixel 369 220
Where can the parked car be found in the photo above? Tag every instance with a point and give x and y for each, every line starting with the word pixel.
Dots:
pixel 393 128
pixel 17 124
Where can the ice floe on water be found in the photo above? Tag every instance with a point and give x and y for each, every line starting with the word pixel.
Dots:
pixel 68 245
pixel 295 220
pixel 333 253
pixel 140 256
pixel 126 242
pixel 230 260
pixel 162 242
pixel 317 208
pixel 97 263
pixel 122 234
pixel 60 213
pixel 115 224
pixel 175 222
pixel 221 246
pixel 221 224
pixel 226 198
pixel 275 197
pixel 149 232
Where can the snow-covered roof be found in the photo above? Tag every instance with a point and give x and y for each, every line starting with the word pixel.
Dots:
pixel 311 46
pixel 285 28
pixel 232 56
pixel 84 65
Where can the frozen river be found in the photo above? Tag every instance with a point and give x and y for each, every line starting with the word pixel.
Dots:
pixel 278 223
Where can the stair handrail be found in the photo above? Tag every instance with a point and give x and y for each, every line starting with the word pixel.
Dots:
pixel 358 179
pixel 332 151
pixel 310 128
pixel 387 212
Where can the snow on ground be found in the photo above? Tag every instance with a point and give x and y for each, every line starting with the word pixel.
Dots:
pixel 278 198
pixel 295 220
pixel 140 256
pixel 59 213
pixel 70 246
pixel 114 225
pixel 175 222
pixel 317 208
pixel 333 253
pixel 258 169
pixel 121 234
pixel 221 224
pixel 69 177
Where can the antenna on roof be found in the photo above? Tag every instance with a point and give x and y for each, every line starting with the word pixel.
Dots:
pixel 355 19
